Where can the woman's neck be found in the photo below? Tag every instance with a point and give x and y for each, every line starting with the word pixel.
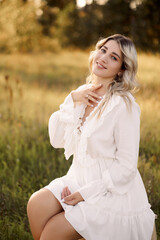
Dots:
pixel 105 84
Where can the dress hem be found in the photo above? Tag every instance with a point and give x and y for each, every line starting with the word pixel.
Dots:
pixel 81 228
pixel 62 204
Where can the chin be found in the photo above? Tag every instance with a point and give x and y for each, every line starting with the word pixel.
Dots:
pixel 98 74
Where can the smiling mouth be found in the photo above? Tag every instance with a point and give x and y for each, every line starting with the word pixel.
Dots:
pixel 100 65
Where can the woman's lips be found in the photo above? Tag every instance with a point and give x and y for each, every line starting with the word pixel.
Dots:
pixel 100 65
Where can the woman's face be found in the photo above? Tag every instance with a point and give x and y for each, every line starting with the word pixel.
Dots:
pixel 108 60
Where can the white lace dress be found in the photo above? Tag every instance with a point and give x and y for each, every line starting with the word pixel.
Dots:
pixel 104 171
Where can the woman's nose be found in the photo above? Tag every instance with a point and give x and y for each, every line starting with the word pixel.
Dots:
pixel 104 58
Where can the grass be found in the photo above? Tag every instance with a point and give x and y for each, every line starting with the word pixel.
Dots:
pixel 32 87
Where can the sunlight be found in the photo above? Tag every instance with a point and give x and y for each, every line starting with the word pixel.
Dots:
pixel 81 3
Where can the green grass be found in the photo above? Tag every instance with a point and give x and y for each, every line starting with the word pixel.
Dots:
pixel 32 87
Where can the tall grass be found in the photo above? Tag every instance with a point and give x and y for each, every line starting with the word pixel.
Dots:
pixel 32 87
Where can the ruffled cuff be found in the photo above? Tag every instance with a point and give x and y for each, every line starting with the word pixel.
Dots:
pixel 97 187
pixel 92 190
pixel 106 178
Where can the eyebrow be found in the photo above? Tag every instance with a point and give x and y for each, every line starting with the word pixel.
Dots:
pixel 112 52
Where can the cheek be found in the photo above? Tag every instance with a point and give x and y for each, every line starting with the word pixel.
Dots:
pixel 94 65
pixel 115 67
pixel 95 58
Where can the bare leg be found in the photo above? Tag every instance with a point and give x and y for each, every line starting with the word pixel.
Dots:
pixel 58 228
pixel 154 234
pixel 41 207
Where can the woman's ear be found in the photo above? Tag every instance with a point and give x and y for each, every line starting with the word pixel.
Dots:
pixel 120 73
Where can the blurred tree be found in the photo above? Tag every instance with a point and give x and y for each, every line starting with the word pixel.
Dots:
pixel 59 3
pixel 147 26
pixel 51 10
pixel 22 23
pixel 18 26
pixel 79 27
pixel 139 20
pixel 117 16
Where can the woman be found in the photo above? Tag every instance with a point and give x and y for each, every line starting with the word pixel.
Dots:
pixel 102 197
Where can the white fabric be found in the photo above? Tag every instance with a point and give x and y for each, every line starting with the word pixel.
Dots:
pixel 104 170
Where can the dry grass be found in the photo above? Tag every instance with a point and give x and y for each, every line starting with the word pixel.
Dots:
pixel 32 87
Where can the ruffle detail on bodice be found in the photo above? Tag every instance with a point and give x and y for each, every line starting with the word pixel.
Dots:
pixel 94 122
pixel 92 125
pixel 73 117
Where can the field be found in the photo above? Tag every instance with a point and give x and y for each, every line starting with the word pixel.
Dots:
pixel 31 88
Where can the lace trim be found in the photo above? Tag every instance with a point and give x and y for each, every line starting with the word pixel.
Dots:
pixel 80 125
pixel 79 130
pixel 85 133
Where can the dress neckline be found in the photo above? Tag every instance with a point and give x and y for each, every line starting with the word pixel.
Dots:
pixel 80 125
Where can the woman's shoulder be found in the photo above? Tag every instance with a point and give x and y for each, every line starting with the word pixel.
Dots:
pixel 127 102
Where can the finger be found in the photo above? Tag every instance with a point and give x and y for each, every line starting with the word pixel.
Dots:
pixel 90 98
pixel 87 101
pixel 65 192
pixel 68 198
pixel 93 94
pixel 72 202
pixel 68 191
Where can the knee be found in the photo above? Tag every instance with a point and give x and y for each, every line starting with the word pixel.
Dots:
pixel 32 202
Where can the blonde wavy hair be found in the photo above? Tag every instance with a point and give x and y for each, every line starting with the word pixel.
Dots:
pixel 126 83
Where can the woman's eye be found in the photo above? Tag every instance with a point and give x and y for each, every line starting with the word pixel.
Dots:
pixel 103 50
pixel 114 58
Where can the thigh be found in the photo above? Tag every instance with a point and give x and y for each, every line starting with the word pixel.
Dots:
pixel 154 234
pixel 41 207
pixel 58 228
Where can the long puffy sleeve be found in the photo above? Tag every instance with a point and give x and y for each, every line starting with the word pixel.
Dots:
pixel 61 125
pixel 58 121
pixel 118 178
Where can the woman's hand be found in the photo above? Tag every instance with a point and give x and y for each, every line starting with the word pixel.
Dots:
pixel 73 199
pixel 65 192
pixel 87 96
